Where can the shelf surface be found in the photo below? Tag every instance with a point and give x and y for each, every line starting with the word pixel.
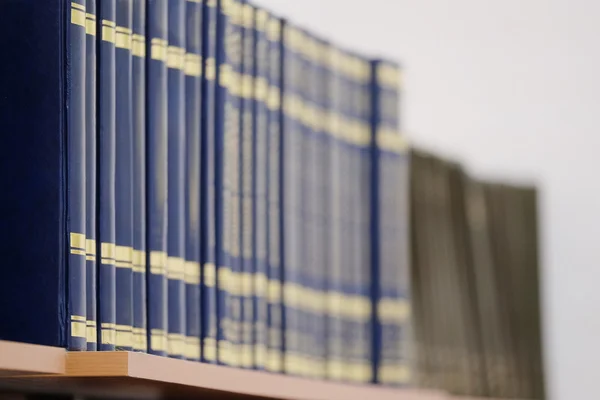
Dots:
pixel 30 359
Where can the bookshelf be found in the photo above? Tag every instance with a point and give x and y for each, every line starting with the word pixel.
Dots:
pixel 27 368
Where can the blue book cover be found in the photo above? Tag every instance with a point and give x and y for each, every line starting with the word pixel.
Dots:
pixel 258 193
pixel 228 60
pixel 90 173
pixel 292 169
pixel 193 74
pixel 274 361
pixel 176 178
pixel 45 190
pixel 106 175
pixel 207 171
pixel 335 359
pixel 138 109
pixel 156 174
pixel 390 286
pixel 243 259
pixel 124 177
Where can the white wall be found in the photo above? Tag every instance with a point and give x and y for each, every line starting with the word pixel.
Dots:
pixel 513 88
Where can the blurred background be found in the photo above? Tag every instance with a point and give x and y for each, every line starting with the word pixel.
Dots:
pixel 512 89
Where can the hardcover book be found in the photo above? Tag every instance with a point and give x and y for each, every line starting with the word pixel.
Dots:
pixel 193 195
pixel 176 178
pixel 124 177
pixel 157 174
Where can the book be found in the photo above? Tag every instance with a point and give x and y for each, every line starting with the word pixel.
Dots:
pixel 390 288
pixel 46 188
pixel 123 176
pixel 106 159
pixel 156 175
pixel 242 206
pixel 207 170
pixel 90 174
pixel 292 171
pixel 193 195
pixel 258 192
pixel 138 82
pixel 274 360
pixel 176 178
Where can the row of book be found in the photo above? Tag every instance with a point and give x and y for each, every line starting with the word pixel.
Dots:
pixel 475 283
pixel 201 180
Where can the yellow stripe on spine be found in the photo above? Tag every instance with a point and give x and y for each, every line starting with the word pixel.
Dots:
pixel 394 374
pixel 210 69
pixel 108 31
pixel 393 310
pixel 138 46
pixel 78 240
pixel 124 256
pixel 192 272
pixel 77 6
pixel 123 38
pixel 391 140
pixel 158 49
pixel 176 344
pixel 124 336
pixel 78 329
pixel 193 64
pixel 389 76
pixel 176 57
pixel 90 24
pixel 210 275
pixel 158 340
pixel 210 349
pixel 140 341
pixel 158 262
pixel 175 267
pixel 192 347
pixel 78 14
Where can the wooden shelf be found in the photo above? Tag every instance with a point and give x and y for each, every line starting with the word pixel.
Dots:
pixel 31 368
pixel 30 359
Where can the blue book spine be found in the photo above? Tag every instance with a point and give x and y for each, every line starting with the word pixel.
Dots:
pixel 176 178
pixel 274 361
pixel 363 370
pixel 106 176
pixel 193 74
pixel 90 174
pixel 124 177
pixel 156 174
pixel 243 259
pixel 225 125
pixel 292 200
pixel 259 187
pixel 76 189
pixel 43 162
pixel 207 170
pixel 138 83
pixel 391 286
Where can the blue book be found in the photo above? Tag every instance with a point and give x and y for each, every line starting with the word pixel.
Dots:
pixel 207 170
pixel 106 175
pixel 242 261
pixel 44 233
pixel 156 174
pixel 176 178
pixel 124 177
pixel 90 173
pixel 193 100
pixel 389 261
pixel 274 361
pixel 335 359
pixel 258 193
pixel 292 169
pixel 228 59
pixel 138 83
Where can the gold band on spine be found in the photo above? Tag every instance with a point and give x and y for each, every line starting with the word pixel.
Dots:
pixel 158 49
pixel 108 31
pixel 138 45
pixel 123 38
pixel 90 24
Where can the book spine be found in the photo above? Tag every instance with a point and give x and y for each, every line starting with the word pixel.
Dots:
pixel 156 174
pixel 363 370
pixel 208 232
pixel 291 143
pixel 124 177
pixel 335 347
pixel 76 170
pixel 106 248
pixel 312 249
pixel 321 215
pixel 193 100
pixel 243 258
pixel 224 127
pixel 389 231
pixel 274 360
pixel 259 187
pixel 138 83
pixel 176 178
pixel 90 174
